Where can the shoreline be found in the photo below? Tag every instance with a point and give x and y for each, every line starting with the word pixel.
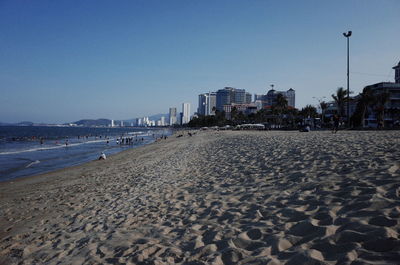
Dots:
pixel 82 166
pixel 227 197
pixel 109 153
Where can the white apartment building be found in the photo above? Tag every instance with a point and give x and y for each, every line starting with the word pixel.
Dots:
pixel 185 113
pixel 172 116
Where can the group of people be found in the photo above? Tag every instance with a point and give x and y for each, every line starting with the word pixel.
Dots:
pixel 128 140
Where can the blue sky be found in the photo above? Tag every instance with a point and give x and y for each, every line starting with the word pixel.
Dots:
pixel 61 61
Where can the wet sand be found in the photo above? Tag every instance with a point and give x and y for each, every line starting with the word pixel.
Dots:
pixel 215 198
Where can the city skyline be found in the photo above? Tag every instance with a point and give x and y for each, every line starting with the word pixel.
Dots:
pixel 64 61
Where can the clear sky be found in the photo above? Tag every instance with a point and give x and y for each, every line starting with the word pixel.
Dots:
pixel 61 61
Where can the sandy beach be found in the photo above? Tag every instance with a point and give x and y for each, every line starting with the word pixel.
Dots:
pixel 227 197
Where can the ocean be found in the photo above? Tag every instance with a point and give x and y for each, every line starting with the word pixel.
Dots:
pixel 31 150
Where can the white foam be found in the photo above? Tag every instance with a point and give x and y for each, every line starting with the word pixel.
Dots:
pixel 57 146
pixel 33 163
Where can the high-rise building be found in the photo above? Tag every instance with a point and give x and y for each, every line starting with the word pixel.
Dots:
pixel 201 109
pixel 212 103
pixel 224 97
pixel 172 116
pixel 112 123
pixel 291 97
pixel 207 104
pixel 185 113
pixel 258 97
pixel 230 95
pixel 270 98
pixel 180 118
pixel 248 98
pixel 162 121
pixel 239 96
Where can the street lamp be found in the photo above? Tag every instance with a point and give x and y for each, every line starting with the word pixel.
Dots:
pixel 347 35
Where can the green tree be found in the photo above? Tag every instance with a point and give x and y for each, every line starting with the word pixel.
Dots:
pixel 280 107
pixel 365 101
pixel 309 111
pixel 380 100
pixel 234 114
pixel 323 105
pixel 340 99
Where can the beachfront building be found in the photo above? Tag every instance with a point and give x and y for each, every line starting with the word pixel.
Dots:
pixel 391 107
pixel 224 97
pixel 161 121
pixel 391 110
pixel 397 73
pixel 207 104
pixel 172 116
pixel 332 108
pixel 270 98
pixel 229 95
pixel 246 108
pixel 180 118
pixel 248 98
pixel 259 104
pixel 144 122
pixel 258 97
pixel 185 113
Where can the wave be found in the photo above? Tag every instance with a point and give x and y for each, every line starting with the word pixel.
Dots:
pixel 57 146
pixel 32 163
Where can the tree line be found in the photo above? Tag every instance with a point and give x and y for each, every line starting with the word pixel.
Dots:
pixel 282 115
pixel 279 114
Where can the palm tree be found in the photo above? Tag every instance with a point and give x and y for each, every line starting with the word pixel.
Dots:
pixel 281 105
pixel 340 99
pixel 309 111
pixel 323 105
pixel 234 114
pixel 366 100
pixel 380 100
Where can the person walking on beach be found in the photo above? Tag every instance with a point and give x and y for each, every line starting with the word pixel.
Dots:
pixel 336 120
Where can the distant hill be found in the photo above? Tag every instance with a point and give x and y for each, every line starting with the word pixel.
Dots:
pixel 22 123
pixel 25 123
pixel 91 122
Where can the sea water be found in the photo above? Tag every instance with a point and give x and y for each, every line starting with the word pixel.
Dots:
pixel 31 150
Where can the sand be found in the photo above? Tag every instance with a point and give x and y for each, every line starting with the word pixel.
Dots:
pixel 228 197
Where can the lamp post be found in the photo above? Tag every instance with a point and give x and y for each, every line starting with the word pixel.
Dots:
pixel 347 35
